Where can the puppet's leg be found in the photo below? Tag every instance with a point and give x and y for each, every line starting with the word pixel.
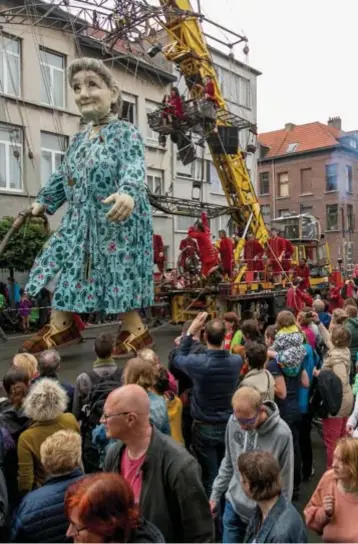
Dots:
pixel 133 335
pixel 60 332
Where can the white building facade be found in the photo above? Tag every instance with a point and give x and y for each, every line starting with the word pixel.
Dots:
pixel 38 116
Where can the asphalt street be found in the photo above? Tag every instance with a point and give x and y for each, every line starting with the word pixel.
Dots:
pixel 77 358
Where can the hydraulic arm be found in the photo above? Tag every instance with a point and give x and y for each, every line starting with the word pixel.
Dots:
pixel 189 51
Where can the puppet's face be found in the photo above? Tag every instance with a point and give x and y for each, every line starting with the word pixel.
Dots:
pixel 92 95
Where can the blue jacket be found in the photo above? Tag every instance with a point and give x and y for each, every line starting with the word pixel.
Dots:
pixel 310 361
pixel 283 524
pixel 215 376
pixel 41 516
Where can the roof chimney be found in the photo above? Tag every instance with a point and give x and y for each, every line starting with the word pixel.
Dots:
pixel 335 122
pixel 289 127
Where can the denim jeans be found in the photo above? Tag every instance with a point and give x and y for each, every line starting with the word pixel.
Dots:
pixel 234 528
pixel 208 443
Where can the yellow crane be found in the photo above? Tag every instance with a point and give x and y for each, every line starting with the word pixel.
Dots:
pixel 189 51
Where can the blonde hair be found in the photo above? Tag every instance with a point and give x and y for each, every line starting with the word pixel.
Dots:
pixel 318 305
pixel 285 319
pixel 26 362
pixel 249 395
pixel 149 355
pixel 61 452
pixel 348 449
pixel 89 64
pixel 140 372
pixel 338 316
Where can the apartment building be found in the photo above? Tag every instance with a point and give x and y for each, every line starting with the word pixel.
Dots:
pixel 313 168
pixel 38 116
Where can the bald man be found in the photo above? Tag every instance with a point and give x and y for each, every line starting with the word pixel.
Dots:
pixel 164 477
pixel 255 425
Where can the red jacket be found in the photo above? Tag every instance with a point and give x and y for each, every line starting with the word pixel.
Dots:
pixel 277 246
pixel 253 248
pixel 296 299
pixel 303 272
pixel 158 248
pixel 226 252
pixel 176 104
pixel 207 252
pixel 290 249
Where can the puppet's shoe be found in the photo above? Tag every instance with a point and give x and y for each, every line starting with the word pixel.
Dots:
pixel 61 332
pixel 128 343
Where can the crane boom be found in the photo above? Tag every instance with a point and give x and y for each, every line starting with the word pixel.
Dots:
pixel 189 51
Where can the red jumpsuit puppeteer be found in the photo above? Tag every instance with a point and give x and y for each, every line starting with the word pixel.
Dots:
pixel 207 254
pixel 188 248
pixel 276 251
pixel 302 271
pixel 289 251
pixel 297 298
pixel 209 91
pixel 253 254
pixel 158 251
pixel 226 250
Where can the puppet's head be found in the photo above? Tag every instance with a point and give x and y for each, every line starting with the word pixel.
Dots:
pixel 96 91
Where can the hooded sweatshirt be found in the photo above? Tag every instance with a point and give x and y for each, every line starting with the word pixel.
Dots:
pixel 274 436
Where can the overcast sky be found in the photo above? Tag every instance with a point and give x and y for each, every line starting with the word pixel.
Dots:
pixel 307 53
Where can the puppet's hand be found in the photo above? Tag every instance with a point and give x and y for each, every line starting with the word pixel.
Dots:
pixel 122 206
pixel 36 208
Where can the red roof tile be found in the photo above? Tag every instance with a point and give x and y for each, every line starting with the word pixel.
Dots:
pixel 307 137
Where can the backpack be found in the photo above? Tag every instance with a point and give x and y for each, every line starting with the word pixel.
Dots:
pixel 328 394
pixel 92 411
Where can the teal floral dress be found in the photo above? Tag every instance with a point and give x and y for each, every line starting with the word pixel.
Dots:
pixel 98 264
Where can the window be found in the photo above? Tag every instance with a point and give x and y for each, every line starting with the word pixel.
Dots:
pixel 129 108
pixel 152 137
pixel 202 168
pixel 332 216
pixel 244 92
pixel 349 179
pixel 10 65
pixel 53 79
pixel 291 148
pixel 266 213
pixel 185 170
pixel 216 186
pixel 331 177
pixel 183 222
pixel 264 183
pixel 350 218
pixel 283 213
pixel 53 147
pixel 306 209
pixel 306 181
pixel 155 181
pixel 283 184
pixel 11 141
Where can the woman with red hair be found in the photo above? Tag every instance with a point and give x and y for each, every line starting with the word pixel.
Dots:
pixel 101 508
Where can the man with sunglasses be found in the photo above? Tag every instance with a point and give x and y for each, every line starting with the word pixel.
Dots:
pixel 254 425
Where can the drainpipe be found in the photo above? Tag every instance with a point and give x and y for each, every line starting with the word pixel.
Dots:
pixel 273 188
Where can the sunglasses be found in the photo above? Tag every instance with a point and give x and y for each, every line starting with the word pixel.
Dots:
pixel 247 421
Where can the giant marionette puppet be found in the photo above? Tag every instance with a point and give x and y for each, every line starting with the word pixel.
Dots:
pixel 101 257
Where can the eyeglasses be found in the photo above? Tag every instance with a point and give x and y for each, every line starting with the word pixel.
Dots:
pixel 247 421
pixel 108 416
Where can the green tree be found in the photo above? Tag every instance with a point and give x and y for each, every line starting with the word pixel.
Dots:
pixel 24 244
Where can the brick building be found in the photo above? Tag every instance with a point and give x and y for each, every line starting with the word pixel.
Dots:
pixel 313 168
